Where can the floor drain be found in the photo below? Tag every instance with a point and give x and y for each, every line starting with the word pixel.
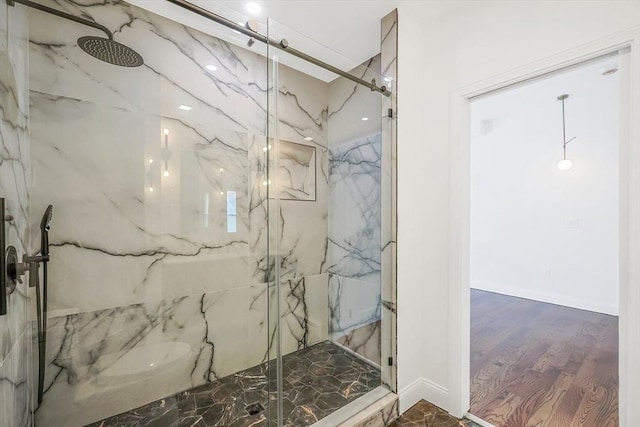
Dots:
pixel 254 408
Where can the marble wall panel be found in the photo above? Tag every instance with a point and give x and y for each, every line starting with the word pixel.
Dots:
pixel 130 356
pixel 352 304
pixel 356 146
pixel 364 341
pixel 15 338
pixel 4 22
pixel 14 385
pixel 354 237
pixel 299 229
pixel 350 102
pixel 14 165
pixel 303 314
pixel 105 362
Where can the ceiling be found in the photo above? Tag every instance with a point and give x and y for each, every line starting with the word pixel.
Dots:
pixel 578 82
pixel 519 130
pixel 350 27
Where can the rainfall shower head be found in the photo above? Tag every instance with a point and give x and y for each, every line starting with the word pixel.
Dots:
pixel 103 48
pixel 110 51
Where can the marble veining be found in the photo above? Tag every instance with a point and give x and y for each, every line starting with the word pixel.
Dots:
pixel 162 272
pixel 364 340
pixel 15 395
pixel 317 381
pixel 296 171
pixel 15 172
pixel 354 236
pixel 352 304
pixel 159 243
pixel 355 226
pixel 107 357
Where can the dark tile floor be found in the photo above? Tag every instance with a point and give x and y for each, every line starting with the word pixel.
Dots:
pixel 424 414
pixel 317 381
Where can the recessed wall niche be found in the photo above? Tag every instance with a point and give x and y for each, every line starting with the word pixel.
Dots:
pixel 297 171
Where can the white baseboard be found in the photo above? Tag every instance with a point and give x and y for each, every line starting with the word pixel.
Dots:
pixel 420 389
pixel 567 301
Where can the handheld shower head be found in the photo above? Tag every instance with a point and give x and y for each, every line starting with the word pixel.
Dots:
pixel 45 224
pixel 41 299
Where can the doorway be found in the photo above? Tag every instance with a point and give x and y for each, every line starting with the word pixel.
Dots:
pixel 544 249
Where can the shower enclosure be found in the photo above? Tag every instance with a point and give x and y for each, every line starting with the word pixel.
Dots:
pixel 222 249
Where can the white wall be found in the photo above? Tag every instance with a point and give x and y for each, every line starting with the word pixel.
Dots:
pixel 480 40
pixel 538 232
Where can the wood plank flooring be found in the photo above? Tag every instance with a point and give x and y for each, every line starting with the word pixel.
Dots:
pixel 542 365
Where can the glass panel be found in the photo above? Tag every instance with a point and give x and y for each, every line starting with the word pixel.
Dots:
pixel 158 281
pixel 389 224
pixel 15 328
pixel 328 248
pixel 216 244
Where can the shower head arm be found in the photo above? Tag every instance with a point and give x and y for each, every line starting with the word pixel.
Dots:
pixel 63 15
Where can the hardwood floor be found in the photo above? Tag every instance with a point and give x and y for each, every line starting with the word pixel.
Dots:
pixel 542 365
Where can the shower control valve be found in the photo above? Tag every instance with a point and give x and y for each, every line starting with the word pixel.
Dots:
pixel 15 269
pixel 12 264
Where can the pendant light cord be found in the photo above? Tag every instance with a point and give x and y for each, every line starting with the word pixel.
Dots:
pixel 564 133
pixel 564 129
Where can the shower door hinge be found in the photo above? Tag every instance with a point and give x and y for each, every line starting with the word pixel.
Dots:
pixel 390 113
pixel 390 361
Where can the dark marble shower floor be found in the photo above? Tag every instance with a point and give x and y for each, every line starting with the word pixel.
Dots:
pixel 317 381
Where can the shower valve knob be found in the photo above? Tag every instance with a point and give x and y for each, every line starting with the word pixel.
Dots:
pixel 14 269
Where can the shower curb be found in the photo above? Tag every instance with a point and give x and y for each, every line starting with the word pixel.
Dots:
pixel 378 408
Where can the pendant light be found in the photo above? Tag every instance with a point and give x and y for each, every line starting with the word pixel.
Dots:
pixel 564 164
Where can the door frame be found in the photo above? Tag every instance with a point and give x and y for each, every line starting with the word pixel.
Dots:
pixel 459 215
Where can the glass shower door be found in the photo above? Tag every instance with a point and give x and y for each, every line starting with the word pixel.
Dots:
pixel 325 185
pixel 217 243
pixel 157 281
